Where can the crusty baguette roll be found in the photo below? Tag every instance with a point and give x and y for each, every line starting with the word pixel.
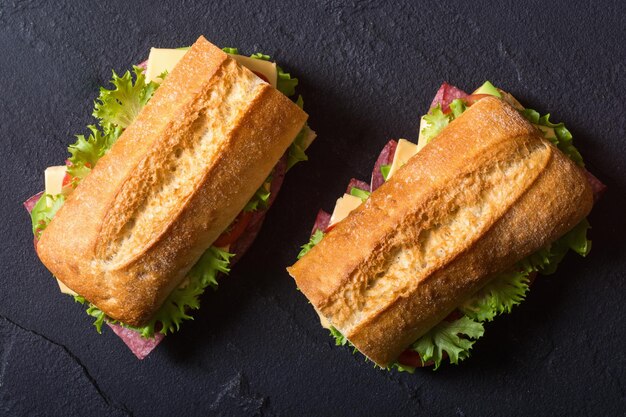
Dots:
pixel 487 192
pixel 171 184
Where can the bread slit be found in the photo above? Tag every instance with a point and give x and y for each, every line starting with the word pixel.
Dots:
pixel 149 203
pixel 487 192
pixel 422 244
pixel 170 185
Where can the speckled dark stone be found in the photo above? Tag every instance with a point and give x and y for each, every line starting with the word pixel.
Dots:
pixel 367 72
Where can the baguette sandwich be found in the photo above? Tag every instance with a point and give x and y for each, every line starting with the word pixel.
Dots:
pixel 451 231
pixel 170 188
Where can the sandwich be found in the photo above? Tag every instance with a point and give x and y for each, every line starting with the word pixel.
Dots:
pixel 170 187
pixel 450 232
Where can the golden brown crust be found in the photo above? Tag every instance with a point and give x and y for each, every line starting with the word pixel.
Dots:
pixel 486 193
pixel 174 180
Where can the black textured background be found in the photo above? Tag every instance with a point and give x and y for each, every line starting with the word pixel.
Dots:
pixel 367 72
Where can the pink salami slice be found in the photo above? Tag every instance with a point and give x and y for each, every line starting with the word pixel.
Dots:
pixel 321 222
pixel 596 185
pixel 30 203
pixel 139 345
pixel 385 158
pixel 143 65
pixel 354 183
pixel 278 177
pixel 258 217
pixel 445 95
pixel 241 245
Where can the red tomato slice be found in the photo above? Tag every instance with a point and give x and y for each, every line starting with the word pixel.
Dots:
pixel 471 99
pixel 455 315
pixel 67 180
pixel 261 76
pixel 236 230
pixel 410 358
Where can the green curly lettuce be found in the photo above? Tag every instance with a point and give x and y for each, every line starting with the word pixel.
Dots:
pixel 261 198
pixel 115 109
pixel 500 295
pixel 435 120
pixel 458 107
pixel 556 133
pixel 576 239
pixel 506 289
pixel 296 152
pixel 455 338
pixel 340 339
pixel 509 289
pixel 182 300
pixel 384 170
pixel 98 314
pixel 401 368
pixel 86 151
pixel 315 239
pixel 119 106
pixel 44 210
pixel 546 260
pixel 285 83
pixel 202 275
pixel 260 56
pixel 362 194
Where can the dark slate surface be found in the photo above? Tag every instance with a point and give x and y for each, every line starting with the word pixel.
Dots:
pixel 367 73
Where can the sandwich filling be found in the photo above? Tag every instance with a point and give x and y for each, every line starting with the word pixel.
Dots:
pixel 115 109
pixel 455 336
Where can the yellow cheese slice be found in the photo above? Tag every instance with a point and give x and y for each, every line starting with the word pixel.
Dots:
pixel 65 289
pixel 548 132
pixel 508 97
pixel 261 66
pixel 310 137
pixel 404 151
pixel 421 141
pixel 344 206
pixel 163 59
pixel 53 179
pixel 323 320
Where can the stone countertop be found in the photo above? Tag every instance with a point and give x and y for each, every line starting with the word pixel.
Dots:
pixel 367 72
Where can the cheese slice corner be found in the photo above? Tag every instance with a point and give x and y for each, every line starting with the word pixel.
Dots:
pixel 344 206
pixel 404 151
pixel 421 141
pixel 53 179
pixel 259 66
pixel 65 289
pixel 163 60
